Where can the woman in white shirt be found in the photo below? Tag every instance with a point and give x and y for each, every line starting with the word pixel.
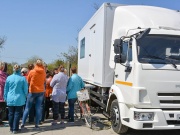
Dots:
pixel 59 83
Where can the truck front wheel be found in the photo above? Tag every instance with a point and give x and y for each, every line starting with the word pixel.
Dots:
pixel 115 117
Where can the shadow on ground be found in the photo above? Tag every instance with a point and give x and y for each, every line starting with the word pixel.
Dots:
pixel 48 127
pixel 152 132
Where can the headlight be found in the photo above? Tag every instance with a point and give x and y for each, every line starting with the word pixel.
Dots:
pixel 144 116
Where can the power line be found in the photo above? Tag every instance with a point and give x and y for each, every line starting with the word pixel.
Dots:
pixel 25 58
pixel 12 57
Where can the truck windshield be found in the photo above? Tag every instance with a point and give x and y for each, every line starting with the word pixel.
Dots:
pixel 159 49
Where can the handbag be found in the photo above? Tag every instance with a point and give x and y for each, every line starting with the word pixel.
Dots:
pixel 83 95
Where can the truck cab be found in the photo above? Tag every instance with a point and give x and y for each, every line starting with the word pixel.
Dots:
pixel 145 54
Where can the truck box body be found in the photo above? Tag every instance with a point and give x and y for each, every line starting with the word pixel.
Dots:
pixel 94 47
pixel 132 53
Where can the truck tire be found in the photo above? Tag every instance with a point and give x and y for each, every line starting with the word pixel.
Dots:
pixel 115 117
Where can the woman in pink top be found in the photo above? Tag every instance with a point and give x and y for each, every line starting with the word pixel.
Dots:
pixel 3 77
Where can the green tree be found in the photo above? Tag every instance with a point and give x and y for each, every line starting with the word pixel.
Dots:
pixel 71 56
pixel 31 60
pixel 10 67
pixel 55 64
pixel 2 41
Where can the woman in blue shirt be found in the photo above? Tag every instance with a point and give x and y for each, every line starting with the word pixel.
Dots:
pixel 15 92
pixel 75 84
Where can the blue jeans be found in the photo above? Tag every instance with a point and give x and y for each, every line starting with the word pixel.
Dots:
pixel 14 117
pixel 32 113
pixel 38 99
pixel 71 108
pixel 43 109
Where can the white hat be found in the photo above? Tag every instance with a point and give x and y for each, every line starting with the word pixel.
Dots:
pixel 25 70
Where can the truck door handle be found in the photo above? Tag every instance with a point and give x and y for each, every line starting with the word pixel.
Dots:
pixel 128 69
pixel 89 55
pixel 116 76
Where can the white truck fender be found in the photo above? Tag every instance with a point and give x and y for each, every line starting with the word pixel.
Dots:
pixel 114 93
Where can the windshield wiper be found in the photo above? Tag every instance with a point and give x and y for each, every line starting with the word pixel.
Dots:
pixel 173 57
pixel 166 58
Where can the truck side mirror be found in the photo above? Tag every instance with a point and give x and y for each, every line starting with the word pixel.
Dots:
pixel 120 58
pixel 117 58
pixel 117 46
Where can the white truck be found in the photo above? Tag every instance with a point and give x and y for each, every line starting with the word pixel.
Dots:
pixel 131 57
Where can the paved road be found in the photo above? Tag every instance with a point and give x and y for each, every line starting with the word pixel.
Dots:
pixel 79 128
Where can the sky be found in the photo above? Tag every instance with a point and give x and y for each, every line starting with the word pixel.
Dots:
pixel 47 28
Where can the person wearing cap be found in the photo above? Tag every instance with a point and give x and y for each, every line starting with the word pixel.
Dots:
pixel 24 72
pixel 36 79
pixel 3 77
pixel 15 92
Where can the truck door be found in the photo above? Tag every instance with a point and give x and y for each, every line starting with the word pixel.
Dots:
pixel 124 71
pixel 91 53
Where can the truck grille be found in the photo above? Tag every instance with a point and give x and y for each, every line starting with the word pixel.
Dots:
pixel 169 98
pixel 168 94
pixel 173 122
pixel 170 101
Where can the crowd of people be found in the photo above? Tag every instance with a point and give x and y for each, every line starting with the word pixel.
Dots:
pixel 32 91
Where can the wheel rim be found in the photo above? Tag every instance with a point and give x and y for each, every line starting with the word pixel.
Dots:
pixel 115 117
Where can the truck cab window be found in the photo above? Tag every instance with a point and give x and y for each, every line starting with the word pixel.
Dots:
pixel 82 48
pixel 159 49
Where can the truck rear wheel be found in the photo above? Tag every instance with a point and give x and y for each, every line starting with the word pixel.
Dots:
pixel 116 123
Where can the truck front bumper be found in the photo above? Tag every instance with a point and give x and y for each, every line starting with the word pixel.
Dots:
pixel 163 119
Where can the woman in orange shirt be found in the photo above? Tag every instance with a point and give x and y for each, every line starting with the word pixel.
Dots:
pixel 36 80
pixel 48 93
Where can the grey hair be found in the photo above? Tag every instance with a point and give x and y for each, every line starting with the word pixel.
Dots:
pixel 16 67
pixel 39 62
